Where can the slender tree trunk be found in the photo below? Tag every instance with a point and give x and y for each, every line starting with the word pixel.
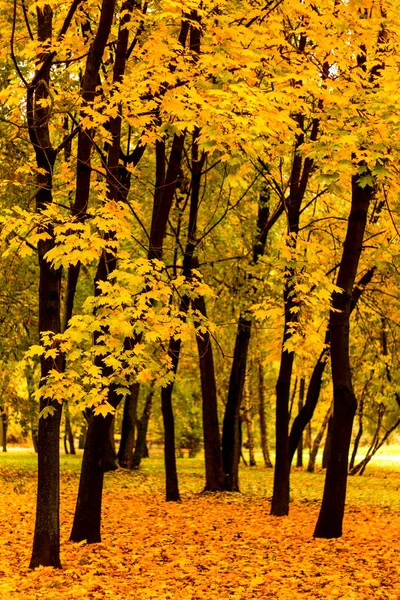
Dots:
pixel 46 542
pixel 129 423
pixel 110 463
pixel 314 388
pixel 300 406
pixel 317 441
pixel 87 518
pixel 359 434
pixel 329 524
pixel 212 442
pixel 69 436
pixel 261 413
pixel 143 423
pixel 4 423
pixel 230 431
pixel 249 420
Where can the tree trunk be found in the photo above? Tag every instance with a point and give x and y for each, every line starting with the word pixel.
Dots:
pixel 359 434
pixel 142 426
pixel 46 541
pixel 330 520
pixel 87 518
pixel 230 430
pixel 88 507
pixel 212 442
pixel 314 388
pixel 171 475
pixel 317 442
pixel 4 423
pixel 249 420
pixel 261 413
pixel 110 463
pixel 299 462
pixel 129 423
pixel 69 436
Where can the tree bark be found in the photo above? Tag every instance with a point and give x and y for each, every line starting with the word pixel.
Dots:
pixel 314 388
pixel 46 542
pixel 299 462
pixel 129 424
pixel 330 520
pixel 143 423
pixel 215 480
pixel 87 518
pixel 261 413
pixel 317 441
pixel 249 420
pixel 230 430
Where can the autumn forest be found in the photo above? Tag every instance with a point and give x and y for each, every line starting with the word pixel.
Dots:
pixel 199 242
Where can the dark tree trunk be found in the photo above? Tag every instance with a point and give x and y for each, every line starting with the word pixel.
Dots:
pixel 110 463
pixel 46 542
pixel 359 433
pixel 87 519
pixel 263 421
pixel 230 429
pixel 300 173
pixel 307 411
pixel 88 508
pixel 172 489
pixel 329 524
pixel 299 462
pixel 248 417
pixel 314 388
pixel 4 423
pixel 317 442
pixel 142 426
pixel 69 436
pixel 212 442
pixel 171 474
pixel 129 423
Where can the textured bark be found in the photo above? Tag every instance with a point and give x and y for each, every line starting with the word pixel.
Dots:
pixel 329 524
pixel 129 423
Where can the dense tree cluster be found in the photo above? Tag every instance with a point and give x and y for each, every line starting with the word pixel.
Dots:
pixel 211 190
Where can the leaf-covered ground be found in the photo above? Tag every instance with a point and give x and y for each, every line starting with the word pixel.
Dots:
pixel 213 547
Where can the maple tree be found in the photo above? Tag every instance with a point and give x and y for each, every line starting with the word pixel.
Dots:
pixel 207 188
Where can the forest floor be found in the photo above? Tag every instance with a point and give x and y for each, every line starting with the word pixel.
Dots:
pixel 211 547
